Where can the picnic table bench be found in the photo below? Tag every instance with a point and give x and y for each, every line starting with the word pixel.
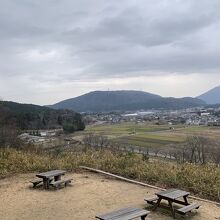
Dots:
pixel 187 208
pixel 36 182
pixel 172 196
pixel 124 214
pixel 58 183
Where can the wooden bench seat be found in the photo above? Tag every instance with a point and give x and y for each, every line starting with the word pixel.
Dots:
pixel 36 182
pixel 184 210
pixel 58 183
pixel 125 214
pixel 151 200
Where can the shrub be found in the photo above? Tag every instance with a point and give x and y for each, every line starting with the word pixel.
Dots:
pixel 69 128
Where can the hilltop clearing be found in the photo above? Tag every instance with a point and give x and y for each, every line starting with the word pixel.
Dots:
pixel 90 194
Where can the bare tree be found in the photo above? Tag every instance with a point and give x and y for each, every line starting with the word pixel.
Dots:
pixel 215 152
pixel 156 150
pixel 196 149
pixel 96 141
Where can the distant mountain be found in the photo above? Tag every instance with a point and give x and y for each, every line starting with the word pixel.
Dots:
pixel 212 96
pixel 27 116
pixel 105 101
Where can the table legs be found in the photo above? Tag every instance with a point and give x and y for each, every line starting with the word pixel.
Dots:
pixel 143 217
pixel 170 202
pixel 46 183
pixel 56 178
pixel 171 208
pixel 185 199
pixel 157 204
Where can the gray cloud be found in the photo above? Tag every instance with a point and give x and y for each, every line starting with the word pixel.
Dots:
pixel 54 41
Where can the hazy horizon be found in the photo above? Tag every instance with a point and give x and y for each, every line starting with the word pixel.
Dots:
pixel 55 50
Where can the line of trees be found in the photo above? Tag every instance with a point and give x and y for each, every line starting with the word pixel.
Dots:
pixel 197 149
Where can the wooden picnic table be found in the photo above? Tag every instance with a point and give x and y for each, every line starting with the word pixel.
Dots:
pixel 125 214
pixel 172 196
pixel 49 175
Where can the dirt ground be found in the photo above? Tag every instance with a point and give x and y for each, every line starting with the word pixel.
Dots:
pixel 90 194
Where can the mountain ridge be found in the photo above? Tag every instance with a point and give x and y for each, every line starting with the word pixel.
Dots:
pixel 124 100
pixel 212 96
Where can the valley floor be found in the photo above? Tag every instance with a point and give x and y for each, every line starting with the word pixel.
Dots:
pixel 90 194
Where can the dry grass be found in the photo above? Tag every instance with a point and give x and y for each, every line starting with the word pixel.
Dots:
pixel 202 180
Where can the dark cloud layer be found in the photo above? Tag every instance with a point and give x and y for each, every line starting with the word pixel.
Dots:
pixel 54 41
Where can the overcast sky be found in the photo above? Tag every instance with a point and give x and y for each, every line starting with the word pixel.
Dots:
pixel 52 50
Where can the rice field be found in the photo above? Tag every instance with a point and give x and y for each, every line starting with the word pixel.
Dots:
pixel 151 135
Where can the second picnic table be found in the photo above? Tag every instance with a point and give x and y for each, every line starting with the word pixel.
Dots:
pixel 173 196
pixel 47 176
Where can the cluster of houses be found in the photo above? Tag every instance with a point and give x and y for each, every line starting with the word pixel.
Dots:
pixel 197 116
pixel 39 136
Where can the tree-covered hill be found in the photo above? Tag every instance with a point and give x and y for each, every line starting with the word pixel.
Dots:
pixel 28 116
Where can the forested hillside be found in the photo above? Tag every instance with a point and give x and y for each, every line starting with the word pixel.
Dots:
pixel 27 116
